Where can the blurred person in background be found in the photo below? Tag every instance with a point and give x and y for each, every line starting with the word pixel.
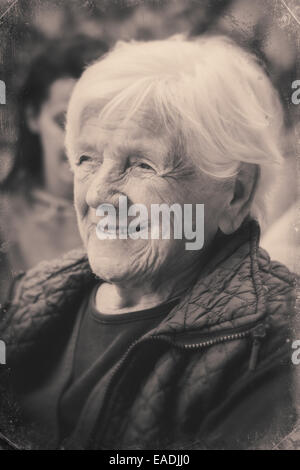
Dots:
pixel 37 215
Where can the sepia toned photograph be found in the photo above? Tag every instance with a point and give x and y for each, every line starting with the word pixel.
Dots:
pixel 149 227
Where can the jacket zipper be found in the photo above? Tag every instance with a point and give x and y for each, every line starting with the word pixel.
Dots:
pixel 258 332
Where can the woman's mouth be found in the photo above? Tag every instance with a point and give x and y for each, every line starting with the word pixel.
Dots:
pixel 123 231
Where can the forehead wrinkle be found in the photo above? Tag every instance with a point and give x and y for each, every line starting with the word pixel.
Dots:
pixel 91 138
pixel 145 116
pixel 91 110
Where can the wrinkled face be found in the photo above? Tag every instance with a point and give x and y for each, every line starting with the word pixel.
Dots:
pixel 137 160
pixel 51 124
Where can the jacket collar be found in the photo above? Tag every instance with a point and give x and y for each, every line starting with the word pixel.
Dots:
pixel 229 293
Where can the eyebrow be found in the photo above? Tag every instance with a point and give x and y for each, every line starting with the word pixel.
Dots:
pixel 133 145
pixel 137 148
pixel 89 146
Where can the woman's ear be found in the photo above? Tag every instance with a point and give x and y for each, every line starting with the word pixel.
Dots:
pixel 32 120
pixel 242 197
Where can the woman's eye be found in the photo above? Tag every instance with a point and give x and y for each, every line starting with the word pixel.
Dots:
pixel 60 120
pixel 82 159
pixel 145 166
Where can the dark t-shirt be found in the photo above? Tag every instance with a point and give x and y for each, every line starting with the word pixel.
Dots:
pixel 97 343
pixel 103 339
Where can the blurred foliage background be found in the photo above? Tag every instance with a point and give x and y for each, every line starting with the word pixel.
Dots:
pixel 269 26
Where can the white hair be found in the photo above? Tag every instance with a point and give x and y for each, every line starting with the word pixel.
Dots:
pixel 211 92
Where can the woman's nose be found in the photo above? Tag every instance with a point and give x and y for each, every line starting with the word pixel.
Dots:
pixel 105 182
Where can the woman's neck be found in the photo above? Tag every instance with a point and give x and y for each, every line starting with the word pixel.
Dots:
pixel 121 298
pixel 112 299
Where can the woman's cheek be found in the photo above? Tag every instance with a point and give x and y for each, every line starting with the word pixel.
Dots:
pixel 144 189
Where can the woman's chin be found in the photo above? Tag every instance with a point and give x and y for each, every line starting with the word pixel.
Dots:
pixel 118 260
pixel 111 270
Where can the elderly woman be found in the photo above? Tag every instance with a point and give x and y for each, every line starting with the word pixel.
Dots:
pixel 144 343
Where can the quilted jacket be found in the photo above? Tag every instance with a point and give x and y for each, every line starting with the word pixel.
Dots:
pixel 216 373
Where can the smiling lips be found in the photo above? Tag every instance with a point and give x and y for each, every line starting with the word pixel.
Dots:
pixel 124 229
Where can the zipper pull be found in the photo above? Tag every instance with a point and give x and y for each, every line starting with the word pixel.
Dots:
pixel 258 334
